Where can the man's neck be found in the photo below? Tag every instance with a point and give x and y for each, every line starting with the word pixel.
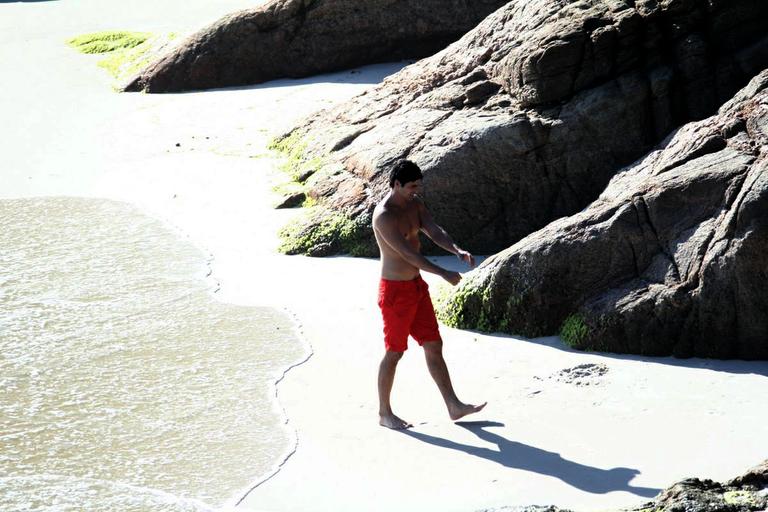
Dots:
pixel 396 200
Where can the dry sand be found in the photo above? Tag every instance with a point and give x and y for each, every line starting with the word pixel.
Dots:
pixel 580 430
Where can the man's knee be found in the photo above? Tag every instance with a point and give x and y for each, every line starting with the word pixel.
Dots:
pixel 433 348
pixel 392 357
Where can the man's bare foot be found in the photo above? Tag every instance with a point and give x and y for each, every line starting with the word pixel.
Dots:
pixel 460 410
pixel 393 422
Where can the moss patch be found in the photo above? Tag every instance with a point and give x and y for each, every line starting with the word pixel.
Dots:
pixel 454 305
pixel 484 321
pixel 299 164
pixel 739 498
pixel 123 64
pixel 299 167
pixel 574 331
pixel 472 306
pixel 285 144
pixel 125 53
pixel 294 148
pixel 322 232
pixel 449 308
pixel 109 41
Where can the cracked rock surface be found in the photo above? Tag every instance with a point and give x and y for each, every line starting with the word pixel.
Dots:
pixel 297 38
pixel 671 259
pixel 528 116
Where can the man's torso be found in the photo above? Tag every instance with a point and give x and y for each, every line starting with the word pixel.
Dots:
pixel 393 265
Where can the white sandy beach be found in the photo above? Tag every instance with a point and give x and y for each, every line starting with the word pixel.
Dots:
pixel 591 442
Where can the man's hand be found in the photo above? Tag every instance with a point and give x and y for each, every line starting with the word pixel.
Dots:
pixel 451 277
pixel 466 257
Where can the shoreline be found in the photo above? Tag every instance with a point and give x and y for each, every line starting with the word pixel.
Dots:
pixel 293 447
pixel 280 374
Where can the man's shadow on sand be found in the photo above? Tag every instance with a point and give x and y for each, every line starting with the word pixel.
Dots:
pixel 520 456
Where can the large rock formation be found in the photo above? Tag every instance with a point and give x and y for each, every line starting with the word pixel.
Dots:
pixel 747 493
pixel 528 116
pixel 671 259
pixel 296 38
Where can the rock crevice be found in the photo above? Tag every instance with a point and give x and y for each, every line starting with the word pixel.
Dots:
pixel 667 261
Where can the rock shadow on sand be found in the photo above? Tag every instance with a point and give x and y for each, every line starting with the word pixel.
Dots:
pixel 516 455
pixel 731 366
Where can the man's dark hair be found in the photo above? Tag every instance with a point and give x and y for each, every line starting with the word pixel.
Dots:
pixel 404 171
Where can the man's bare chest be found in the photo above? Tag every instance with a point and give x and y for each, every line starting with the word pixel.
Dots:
pixel 409 224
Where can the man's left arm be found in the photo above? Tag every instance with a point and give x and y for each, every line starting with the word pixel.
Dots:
pixel 438 235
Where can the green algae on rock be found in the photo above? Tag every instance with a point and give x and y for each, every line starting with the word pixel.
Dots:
pixel 477 304
pixel 574 331
pixel 297 164
pixel 125 52
pixel 125 62
pixel 471 305
pixel 321 232
pixel 108 41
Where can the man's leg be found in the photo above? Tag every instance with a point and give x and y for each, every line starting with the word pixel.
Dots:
pixel 433 351
pixel 387 369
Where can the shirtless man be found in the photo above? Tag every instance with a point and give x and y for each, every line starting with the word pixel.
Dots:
pixel 403 295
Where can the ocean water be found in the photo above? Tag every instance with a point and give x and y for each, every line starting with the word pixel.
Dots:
pixel 124 384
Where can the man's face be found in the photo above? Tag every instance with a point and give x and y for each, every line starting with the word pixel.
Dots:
pixel 410 190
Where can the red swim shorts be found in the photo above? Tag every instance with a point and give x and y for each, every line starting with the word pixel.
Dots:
pixel 407 309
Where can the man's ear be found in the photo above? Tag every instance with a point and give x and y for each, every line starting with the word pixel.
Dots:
pixel 397 184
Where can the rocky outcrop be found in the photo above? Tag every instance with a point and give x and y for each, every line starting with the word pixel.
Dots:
pixel 528 116
pixel 748 493
pixel 671 259
pixel 695 495
pixel 296 38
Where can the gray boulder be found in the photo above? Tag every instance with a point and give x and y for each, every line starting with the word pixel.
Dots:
pixel 528 116
pixel 297 38
pixel 672 258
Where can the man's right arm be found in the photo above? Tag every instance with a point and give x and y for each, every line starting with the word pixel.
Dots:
pixel 386 225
